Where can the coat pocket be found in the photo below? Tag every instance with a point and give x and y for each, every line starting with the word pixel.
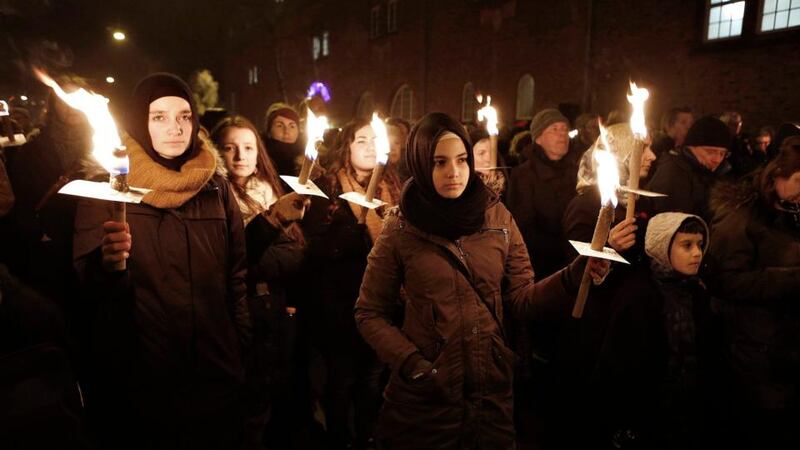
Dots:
pixel 500 366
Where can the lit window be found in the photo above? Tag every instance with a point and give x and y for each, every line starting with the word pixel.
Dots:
pixel 325 47
pixel 391 16
pixel 255 74
pixel 250 76
pixel 780 14
pixel 316 47
pixel 525 97
pixel 375 22
pixel 468 103
pixel 403 103
pixel 724 19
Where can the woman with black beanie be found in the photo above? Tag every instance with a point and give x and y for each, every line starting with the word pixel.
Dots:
pixel 169 329
pixel 459 256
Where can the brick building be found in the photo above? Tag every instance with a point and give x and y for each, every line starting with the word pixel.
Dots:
pixel 408 57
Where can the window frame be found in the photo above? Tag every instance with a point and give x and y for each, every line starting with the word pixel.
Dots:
pixel 518 99
pixel 707 19
pixel 375 22
pixel 773 31
pixel 391 16
pixel 468 112
pixel 397 97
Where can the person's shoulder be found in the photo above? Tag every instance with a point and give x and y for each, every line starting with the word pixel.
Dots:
pixel 497 216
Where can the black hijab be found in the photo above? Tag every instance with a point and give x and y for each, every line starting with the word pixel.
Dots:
pixel 152 88
pixel 421 204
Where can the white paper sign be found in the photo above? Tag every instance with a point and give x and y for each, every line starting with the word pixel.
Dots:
pixel 641 192
pixel 19 139
pixel 360 199
pixel 610 254
pixel 102 191
pixel 303 189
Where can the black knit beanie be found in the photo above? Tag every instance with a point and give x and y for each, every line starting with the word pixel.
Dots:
pixel 544 119
pixel 708 132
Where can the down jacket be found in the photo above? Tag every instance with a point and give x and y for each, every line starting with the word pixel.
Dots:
pixel 455 295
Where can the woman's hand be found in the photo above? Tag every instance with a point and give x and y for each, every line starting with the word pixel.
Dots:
pixel 289 208
pixel 116 244
pixel 598 269
pixel 623 235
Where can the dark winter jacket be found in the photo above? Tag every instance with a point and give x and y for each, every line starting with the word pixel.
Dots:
pixel 686 183
pixel 756 262
pixel 170 328
pixel 336 256
pixel 456 295
pixel 538 194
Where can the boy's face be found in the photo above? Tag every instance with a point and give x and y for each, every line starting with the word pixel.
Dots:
pixel 686 253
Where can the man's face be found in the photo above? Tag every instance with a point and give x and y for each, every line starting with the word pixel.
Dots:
pixel 555 140
pixel 590 132
pixel 762 142
pixel 709 157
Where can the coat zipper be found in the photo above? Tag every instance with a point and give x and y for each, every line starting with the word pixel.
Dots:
pixel 498 230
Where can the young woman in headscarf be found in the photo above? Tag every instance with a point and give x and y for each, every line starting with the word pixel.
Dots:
pixel 170 327
pixel 461 260
pixel 337 256
pixel 275 253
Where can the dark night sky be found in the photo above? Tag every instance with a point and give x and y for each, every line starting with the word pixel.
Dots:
pixel 179 36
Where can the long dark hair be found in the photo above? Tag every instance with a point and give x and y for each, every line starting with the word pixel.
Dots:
pixel 265 169
pixel 341 157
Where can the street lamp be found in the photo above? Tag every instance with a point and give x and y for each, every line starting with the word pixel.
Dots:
pixel 24 98
pixel 110 80
pixel 118 36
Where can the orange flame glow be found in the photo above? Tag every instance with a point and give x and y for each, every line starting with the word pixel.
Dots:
pixel 489 114
pixel 607 171
pixel 105 137
pixel 381 140
pixel 637 99
pixel 315 131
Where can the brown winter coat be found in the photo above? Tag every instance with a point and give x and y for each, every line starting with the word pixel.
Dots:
pixel 465 401
pixel 169 328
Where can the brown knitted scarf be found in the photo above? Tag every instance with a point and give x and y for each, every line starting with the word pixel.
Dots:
pixel 170 189
pixel 374 221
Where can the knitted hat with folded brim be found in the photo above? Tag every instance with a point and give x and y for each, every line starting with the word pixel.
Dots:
pixel 708 132
pixel 544 119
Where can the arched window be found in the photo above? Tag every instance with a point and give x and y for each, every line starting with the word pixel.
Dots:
pixel 403 103
pixel 468 103
pixel 525 97
pixel 366 105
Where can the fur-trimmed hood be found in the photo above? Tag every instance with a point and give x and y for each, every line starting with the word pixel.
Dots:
pixel 727 197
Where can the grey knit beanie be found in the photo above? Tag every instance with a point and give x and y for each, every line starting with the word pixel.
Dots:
pixel 544 119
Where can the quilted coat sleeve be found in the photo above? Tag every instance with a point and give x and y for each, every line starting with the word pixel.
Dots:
pixel 377 301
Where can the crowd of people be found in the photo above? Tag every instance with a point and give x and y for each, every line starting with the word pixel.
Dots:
pixel 228 312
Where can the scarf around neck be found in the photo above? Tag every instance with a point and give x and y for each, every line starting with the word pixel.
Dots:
pixel 374 222
pixel 170 188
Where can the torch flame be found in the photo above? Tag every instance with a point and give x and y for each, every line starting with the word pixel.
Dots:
pixel 489 114
pixel 607 171
pixel 637 99
pixel 315 130
pixel 105 138
pixel 381 140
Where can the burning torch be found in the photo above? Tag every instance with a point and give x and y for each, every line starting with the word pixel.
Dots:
pixel 382 147
pixel 315 130
pixel 637 99
pixel 489 114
